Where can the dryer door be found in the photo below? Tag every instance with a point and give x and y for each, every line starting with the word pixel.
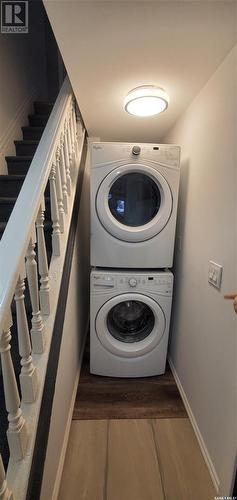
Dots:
pixel 134 202
pixel 130 325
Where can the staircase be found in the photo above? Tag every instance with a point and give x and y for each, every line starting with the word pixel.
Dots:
pixel 10 186
pixel 18 166
pixel 36 207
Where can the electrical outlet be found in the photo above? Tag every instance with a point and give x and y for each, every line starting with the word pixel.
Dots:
pixel 215 274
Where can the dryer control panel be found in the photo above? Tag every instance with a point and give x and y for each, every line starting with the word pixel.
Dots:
pixel 157 282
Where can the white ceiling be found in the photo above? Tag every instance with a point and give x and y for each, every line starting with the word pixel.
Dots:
pixel 110 47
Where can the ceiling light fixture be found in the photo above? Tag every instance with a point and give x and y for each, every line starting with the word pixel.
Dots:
pixel 147 100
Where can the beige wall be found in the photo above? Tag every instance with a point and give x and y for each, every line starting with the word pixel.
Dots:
pixel 74 331
pixel 23 78
pixel 203 347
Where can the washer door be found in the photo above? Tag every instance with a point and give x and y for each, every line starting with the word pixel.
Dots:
pixel 134 202
pixel 130 325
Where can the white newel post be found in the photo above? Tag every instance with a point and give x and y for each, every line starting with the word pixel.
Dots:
pixel 44 293
pixel 59 191
pixel 38 329
pixel 17 431
pixel 67 162
pixel 63 175
pixel 28 375
pixel 5 493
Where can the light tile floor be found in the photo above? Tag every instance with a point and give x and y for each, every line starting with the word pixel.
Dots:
pixel 153 459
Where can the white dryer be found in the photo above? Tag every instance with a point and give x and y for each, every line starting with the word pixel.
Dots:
pixel 129 322
pixel 134 195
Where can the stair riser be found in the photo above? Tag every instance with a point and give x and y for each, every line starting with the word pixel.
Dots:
pixel 38 121
pixel 16 167
pixel 25 149
pixel 32 133
pixel 6 210
pixel 43 108
pixel 11 188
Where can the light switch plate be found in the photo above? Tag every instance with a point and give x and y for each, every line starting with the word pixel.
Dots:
pixel 215 274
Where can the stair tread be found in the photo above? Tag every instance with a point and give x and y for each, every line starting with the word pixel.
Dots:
pixel 12 178
pixel 8 199
pixel 47 225
pixel 27 141
pixel 12 199
pixel 48 103
pixel 38 116
pixel 29 127
pixel 19 158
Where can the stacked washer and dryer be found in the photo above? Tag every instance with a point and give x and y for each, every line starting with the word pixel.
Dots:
pixel 134 195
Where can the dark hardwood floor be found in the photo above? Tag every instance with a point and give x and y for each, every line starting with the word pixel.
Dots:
pixel 118 398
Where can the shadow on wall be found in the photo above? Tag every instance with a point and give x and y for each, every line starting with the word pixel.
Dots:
pixel 178 250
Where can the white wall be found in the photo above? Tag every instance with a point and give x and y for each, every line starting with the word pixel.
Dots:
pixel 204 328
pixel 23 78
pixel 74 331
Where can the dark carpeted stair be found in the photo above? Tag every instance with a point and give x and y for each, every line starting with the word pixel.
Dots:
pixel 10 186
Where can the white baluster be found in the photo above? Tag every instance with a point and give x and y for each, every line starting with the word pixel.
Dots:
pixel 75 128
pixel 5 493
pixel 38 329
pixel 69 141
pixel 17 431
pixel 59 191
pixel 28 375
pixel 71 133
pixel 44 293
pixel 67 162
pixel 54 212
pixel 63 175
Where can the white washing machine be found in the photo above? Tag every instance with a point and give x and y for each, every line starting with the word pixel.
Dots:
pixel 129 322
pixel 134 195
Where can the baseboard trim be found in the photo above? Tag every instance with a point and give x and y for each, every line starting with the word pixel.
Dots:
pixel 68 425
pixel 201 442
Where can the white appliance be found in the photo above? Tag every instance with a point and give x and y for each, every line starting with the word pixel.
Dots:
pixel 134 195
pixel 129 322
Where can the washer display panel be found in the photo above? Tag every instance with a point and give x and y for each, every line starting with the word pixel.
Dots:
pixel 130 325
pixel 134 202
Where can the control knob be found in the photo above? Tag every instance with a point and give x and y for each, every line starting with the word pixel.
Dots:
pixel 136 150
pixel 132 282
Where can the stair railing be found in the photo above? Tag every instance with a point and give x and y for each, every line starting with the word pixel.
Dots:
pixel 57 161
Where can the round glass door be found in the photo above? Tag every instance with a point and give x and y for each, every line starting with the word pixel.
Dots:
pixel 130 325
pixel 134 202
pixel 130 321
pixel 134 199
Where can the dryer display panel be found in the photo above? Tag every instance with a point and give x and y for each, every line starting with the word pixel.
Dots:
pixel 130 321
pixel 134 199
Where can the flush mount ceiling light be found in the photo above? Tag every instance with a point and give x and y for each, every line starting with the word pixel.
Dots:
pixel 147 100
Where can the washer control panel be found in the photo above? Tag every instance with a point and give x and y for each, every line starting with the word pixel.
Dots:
pixel 162 282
